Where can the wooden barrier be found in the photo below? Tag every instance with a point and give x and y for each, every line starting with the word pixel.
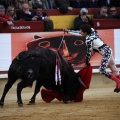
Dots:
pixel 23 26
pixel 111 23
pixel 60 21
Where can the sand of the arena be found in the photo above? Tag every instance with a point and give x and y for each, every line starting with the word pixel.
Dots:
pixel 100 103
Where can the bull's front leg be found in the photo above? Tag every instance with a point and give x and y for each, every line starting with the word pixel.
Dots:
pixel 64 97
pixel 6 89
pixel 36 91
pixel 20 86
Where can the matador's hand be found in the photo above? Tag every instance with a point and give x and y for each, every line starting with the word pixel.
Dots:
pixel 65 30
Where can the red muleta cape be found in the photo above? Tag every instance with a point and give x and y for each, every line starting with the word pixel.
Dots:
pixel 85 75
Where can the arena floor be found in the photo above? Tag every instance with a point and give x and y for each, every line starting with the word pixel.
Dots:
pixel 100 103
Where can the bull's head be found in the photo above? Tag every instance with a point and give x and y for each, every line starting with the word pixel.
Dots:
pixel 79 83
pixel 73 87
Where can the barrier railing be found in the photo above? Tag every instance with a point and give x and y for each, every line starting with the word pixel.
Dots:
pixel 111 23
pixel 22 26
pixel 60 21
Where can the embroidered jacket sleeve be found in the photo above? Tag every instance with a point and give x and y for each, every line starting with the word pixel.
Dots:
pixel 89 45
pixel 74 32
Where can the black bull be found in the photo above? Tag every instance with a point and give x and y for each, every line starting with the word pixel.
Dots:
pixel 39 64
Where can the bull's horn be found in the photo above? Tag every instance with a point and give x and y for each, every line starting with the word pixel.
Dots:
pixel 81 82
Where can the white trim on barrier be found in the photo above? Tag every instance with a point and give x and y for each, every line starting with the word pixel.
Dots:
pixel 3 76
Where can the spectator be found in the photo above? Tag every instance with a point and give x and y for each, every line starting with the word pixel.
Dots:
pixel 10 3
pixel 49 4
pixel 21 2
pixel 26 14
pixel 92 3
pixel 83 3
pixel 3 17
pixel 107 3
pixel 11 13
pixel 35 3
pixel 63 5
pixel 102 14
pixel 78 3
pixel 42 16
pixel 82 19
pixel 117 3
pixel 3 2
pixel 75 3
pixel 113 12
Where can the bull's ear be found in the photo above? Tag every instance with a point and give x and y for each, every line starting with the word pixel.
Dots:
pixel 81 82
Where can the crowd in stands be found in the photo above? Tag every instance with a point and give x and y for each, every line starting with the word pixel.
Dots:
pixel 107 13
pixel 58 4
pixel 8 13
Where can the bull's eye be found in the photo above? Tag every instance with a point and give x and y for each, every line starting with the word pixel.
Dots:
pixel 44 44
pixel 78 42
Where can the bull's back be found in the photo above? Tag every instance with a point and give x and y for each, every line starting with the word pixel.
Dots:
pixel 40 61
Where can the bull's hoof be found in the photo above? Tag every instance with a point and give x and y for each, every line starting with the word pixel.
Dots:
pixel 20 104
pixel 31 102
pixel 1 104
pixel 117 90
pixel 70 101
pixel 65 101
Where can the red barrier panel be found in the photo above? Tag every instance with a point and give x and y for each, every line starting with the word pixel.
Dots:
pixel 106 23
pixel 24 26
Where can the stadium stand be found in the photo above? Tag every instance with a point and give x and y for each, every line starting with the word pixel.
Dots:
pixel 23 26
pixel 60 21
